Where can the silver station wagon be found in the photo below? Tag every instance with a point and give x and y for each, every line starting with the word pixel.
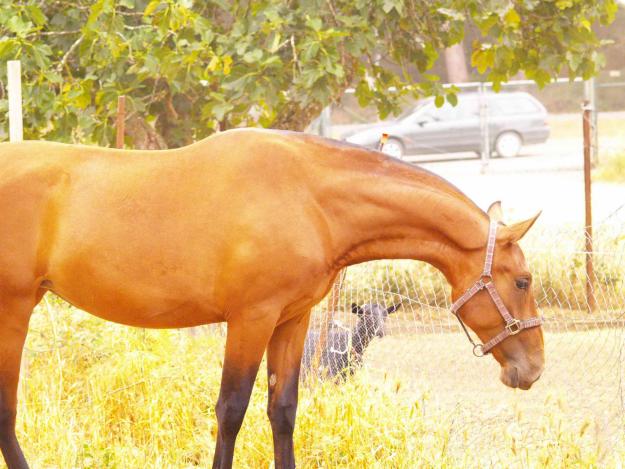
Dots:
pixel 514 119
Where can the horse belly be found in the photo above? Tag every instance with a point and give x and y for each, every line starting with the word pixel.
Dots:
pixel 141 306
pixel 145 288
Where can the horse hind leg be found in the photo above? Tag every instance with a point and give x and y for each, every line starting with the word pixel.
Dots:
pixel 14 317
pixel 284 356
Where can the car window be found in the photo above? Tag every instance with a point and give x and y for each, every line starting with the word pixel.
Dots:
pixel 413 110
pixel 447 112
pixel 513 105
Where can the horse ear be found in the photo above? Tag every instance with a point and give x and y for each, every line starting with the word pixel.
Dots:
pixel 494 211
pixel 513 233
pixel 393 308
pixel 356 309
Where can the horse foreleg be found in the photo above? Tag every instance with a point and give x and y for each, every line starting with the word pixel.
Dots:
pixel 14 318
pixel 245 345
pixel 284 356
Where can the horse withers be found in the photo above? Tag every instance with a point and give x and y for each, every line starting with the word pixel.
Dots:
pixel 247 227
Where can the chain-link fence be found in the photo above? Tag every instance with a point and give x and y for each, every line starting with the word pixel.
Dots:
pixel 582 386
pixel 423 347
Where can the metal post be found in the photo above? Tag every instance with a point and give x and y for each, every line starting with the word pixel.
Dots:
pixel 325 122
pixel 484 130
pixel 595 123
pixel 14 75
pixel 590 291
pixel 120 124
pixel 590 96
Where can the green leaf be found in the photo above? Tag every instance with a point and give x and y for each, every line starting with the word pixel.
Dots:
pixel 452 98
pixel 430 77
pixel 586 24
pixel 37 15
pixel 253 56
pixel 439 101
pixel 564 4
pixel 314 23
pixel 18 26
pixel 483 59
pixel 151 8
pixel 390 5
pixel 512 18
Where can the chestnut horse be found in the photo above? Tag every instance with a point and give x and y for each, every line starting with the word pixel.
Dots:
pixel 249 227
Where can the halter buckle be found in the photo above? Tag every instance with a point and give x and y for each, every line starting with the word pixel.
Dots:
pixel 514 327
pixel 478 350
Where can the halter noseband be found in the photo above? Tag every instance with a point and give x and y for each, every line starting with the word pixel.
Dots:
pixel 513 326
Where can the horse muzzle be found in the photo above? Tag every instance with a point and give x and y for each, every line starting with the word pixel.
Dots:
pixel 517 376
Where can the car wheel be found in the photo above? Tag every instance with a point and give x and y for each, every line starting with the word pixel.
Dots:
pixel 394 148
pixel 508 144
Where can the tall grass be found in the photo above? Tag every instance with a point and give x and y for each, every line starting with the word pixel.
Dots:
pixel 99 395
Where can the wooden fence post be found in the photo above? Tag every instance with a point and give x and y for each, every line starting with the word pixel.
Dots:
pixel 590 275
pixel 120 124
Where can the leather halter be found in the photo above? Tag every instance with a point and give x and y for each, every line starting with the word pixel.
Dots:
pixel 513 326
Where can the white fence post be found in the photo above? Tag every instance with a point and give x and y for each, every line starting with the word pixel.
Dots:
pixel 14 75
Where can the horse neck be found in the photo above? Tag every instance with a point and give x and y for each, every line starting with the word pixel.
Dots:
pixel 393 211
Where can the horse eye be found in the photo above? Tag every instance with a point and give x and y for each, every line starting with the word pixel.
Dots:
pixel 522 283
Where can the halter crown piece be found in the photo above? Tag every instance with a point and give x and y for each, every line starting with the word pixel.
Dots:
pixel 513 326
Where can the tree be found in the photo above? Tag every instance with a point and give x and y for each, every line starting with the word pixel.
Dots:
pixel 189 68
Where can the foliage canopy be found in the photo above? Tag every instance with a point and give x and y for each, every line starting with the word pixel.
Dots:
pixel 191 67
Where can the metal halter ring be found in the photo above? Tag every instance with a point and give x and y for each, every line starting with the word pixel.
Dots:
pixel 478 350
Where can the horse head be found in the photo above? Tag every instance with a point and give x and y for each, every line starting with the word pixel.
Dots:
pixel 498 304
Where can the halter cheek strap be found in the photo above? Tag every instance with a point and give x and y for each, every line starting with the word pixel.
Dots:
pixel 513 326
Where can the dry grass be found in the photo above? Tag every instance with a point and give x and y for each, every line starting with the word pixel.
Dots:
pixel 569 126
pixel 611 168
pixel 99 395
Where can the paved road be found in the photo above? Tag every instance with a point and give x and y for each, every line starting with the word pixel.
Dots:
pixel 546 177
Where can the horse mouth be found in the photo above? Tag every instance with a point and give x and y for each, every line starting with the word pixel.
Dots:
pixel 511 377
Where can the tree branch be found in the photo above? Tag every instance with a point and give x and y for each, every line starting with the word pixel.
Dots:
pixel 53 33
pixel 74 46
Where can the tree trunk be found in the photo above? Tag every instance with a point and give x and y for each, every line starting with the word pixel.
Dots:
pixel 456 64
pixel 143 135
pixel 297 118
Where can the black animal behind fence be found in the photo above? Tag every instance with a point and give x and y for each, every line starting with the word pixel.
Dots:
pixel 344 348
